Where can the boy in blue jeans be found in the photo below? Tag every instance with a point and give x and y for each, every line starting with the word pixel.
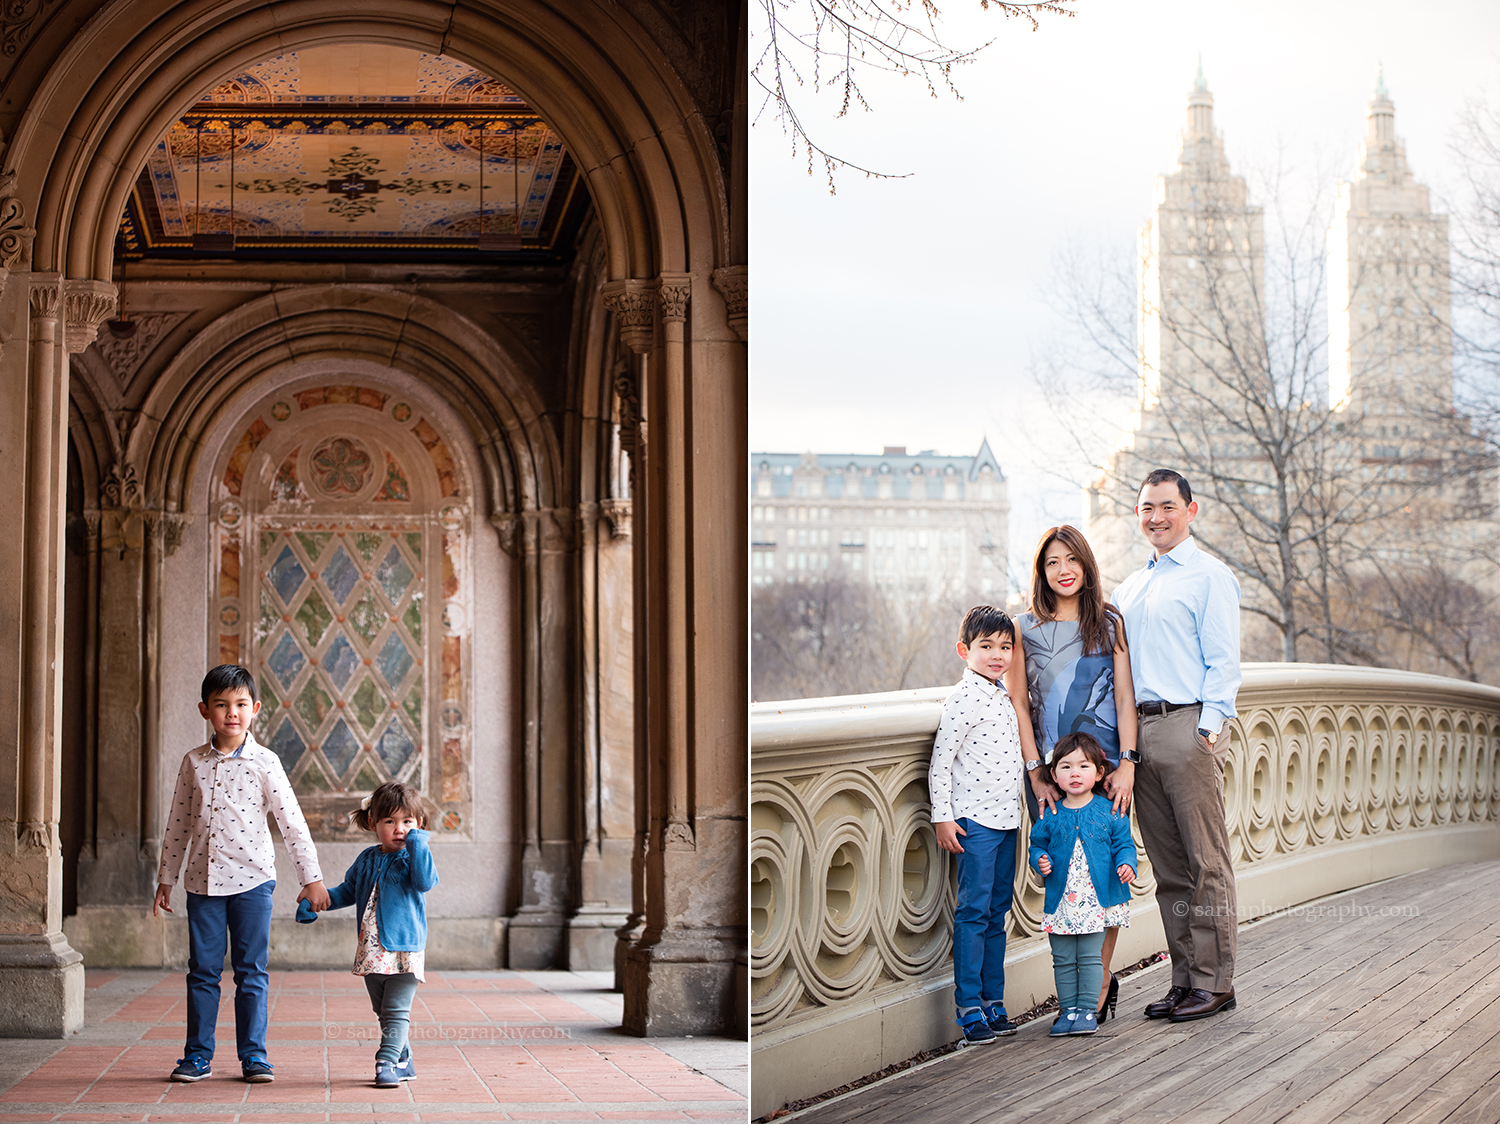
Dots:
pixel 974 779
pixel 218 822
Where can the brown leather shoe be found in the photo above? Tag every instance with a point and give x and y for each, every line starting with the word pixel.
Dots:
pixel 1199 1004
pixel 1163 1006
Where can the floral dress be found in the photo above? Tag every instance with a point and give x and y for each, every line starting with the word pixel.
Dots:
pixel 1080 911
pixel 371 958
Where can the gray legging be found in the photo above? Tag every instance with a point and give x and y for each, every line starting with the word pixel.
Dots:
pixel 391 997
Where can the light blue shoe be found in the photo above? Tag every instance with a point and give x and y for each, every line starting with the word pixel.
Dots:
pixel 1064 1024
pixel 1085 1022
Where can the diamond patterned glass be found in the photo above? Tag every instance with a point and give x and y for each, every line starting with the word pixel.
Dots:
pixel 286 574
pixel 286 660
pixel 340 575
pixel 315 616
pixel 366 617
pixel 367 544
pixel 412 618
pixel 340 661
pixel 394 660
pixel 340 747
pixel 394 575
pixel 368 704
pixel 287 744
pixel 313 704
pixel 395 747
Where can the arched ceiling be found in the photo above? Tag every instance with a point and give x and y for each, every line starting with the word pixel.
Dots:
pixel 359 150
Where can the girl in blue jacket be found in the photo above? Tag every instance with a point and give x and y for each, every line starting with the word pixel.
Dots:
pixel 1085 853
pixel 387 883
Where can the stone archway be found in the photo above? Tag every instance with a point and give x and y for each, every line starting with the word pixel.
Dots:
pixel 94 92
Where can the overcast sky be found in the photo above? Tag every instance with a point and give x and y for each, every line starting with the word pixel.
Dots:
pixel 906 312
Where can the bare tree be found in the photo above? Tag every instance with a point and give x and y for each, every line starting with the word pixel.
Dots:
pixel 835 44
pixel 1218 342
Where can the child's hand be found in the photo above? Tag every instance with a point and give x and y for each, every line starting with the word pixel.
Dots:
pixel 1044 864
pixel 947 836
pixel 162 901
pixel 316 896
pixel 1127 875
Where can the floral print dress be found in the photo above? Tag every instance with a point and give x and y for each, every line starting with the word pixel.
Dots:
pixel 1080 911
pixel 371 958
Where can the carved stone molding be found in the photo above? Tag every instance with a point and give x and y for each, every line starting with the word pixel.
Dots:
pixel 629 395
pixel 733 282
pixel 508 527
pixel 15 235
pixel 617 514
pixel 678 836
pixel 174 526
pixel 126 357
pixel 673 291
pixel 634 305
pixel 121 487
pixel 34 837
pixel 46 295
pixel 86 305
pixel 91 527
pixel 18 19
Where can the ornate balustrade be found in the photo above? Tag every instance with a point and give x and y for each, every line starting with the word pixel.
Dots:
pixel 1337 777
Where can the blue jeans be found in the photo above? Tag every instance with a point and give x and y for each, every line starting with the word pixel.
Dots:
pixel 1078 969
pixel 391 997
pixel 247 917
pixel 986 884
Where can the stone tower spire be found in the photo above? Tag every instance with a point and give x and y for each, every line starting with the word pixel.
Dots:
pixel 1382 154
pixel 1201 147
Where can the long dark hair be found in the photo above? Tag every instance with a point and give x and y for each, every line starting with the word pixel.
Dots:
pixel 1097 618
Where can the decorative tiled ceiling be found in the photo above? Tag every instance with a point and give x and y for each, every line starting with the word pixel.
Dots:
pixel 359 148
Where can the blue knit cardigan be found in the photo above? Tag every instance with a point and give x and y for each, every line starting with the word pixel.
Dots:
pixel 404 876
pixel 1106 844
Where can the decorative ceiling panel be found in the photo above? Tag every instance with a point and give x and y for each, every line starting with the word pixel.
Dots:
pixel 357 148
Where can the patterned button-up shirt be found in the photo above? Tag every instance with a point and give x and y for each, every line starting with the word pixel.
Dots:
pixel 218 821
pixel 977 767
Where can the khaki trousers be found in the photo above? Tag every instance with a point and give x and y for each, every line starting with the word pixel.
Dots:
pixel 1179 800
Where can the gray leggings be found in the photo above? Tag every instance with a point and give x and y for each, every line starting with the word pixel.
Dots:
pixel 391 997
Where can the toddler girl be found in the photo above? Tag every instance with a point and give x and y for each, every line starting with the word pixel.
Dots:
pixel 387 883
pixel 1085 852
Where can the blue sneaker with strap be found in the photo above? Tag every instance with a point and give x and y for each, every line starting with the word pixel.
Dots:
pixel 191 1069
pixel 257 1071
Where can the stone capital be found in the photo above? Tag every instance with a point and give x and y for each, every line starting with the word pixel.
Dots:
pixel 616 513
pixel 508 526
pixel 121 488
pixel 634 304
pixel 46 295
pixel 733 283
pixel 86 305
pixel 673 291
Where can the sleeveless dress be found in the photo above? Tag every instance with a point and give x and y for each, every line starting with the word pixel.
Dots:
pixel 1069 692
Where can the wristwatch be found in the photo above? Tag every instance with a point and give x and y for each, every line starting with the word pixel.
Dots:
pixel 1131 755
pixel 1034 764
pixel 1210 736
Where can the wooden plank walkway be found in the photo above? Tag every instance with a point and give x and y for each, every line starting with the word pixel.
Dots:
pixel 1379 1006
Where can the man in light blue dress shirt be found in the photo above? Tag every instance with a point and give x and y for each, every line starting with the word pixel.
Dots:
pixel 1182 618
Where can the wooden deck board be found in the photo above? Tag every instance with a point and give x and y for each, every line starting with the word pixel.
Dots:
pixel 1368 1018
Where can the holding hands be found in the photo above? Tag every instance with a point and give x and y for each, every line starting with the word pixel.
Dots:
pixel 316 896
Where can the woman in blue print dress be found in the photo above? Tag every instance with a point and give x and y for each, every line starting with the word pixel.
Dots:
pixel 1071 675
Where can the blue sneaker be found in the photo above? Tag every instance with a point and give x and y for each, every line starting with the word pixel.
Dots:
pixel 386 1076
pixel 191 1069
pixel 1064 1024
pixel 407 1070
pixel 257 1071
pixel 978 1032
pixel 1085 1022
pixel 999 1023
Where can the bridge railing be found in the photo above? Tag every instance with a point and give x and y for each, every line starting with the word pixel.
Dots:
pixel 1336 777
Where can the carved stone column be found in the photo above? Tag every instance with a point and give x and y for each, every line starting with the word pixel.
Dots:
pixel 537 930
pixel 41 977
pixel 733 283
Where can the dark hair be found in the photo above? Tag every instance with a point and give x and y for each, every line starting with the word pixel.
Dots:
pixel 982 620
pixel 1167 476
pixel 387 800
pixel 1100 626
pixel 229 677
pixel 1091 750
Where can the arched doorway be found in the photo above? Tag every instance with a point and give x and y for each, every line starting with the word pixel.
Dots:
pixel 540 374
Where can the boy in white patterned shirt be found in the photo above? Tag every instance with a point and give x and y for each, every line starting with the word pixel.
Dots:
pixel 218 822
pixel 974 782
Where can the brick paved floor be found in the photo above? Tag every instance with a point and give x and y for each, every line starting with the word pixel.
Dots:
pixel 488 1046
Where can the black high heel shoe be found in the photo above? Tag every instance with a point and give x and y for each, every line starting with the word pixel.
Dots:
pixel 1110 998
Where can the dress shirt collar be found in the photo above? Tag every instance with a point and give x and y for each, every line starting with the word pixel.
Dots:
pixel 1182 553
pixel 210 749
pixel 981 681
